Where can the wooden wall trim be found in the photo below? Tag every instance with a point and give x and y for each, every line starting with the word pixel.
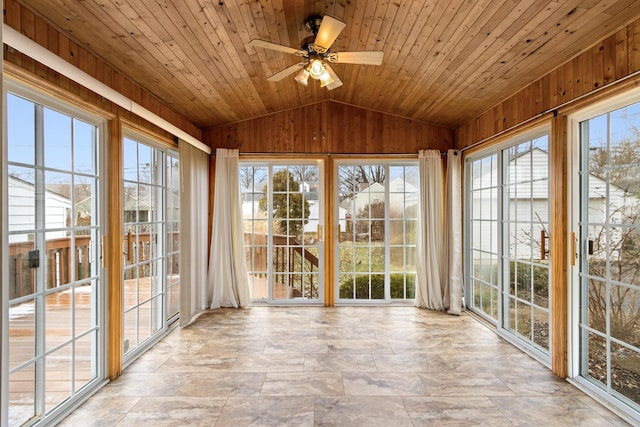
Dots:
pixel 330 127
pixel 566 86
pixel 38 29
pixel 113 250
pixel 559 238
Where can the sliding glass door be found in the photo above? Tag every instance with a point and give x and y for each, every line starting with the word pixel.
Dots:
pixel 507 240
pixel 608 249
pixel 376 216
pixel 151 220
pixel 283 219
pixel 525 260
pixel 55 305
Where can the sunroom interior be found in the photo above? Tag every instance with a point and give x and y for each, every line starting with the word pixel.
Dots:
pixel 119 117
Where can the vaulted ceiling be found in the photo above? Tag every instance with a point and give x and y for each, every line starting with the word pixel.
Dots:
pixel 445 61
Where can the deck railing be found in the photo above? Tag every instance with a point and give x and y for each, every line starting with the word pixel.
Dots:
pixel 24 260
pixel 293 264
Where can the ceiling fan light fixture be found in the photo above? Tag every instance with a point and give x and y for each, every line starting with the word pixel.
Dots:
pixel 325 79
pixel 316 69
pixel 303 77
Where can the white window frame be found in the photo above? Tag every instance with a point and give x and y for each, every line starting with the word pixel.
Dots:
pixel 573 195
pixel 32 94
pixel 497 150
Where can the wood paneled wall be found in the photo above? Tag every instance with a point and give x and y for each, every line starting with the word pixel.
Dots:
pixel 330 127
pixel 608 61
pixel 39 30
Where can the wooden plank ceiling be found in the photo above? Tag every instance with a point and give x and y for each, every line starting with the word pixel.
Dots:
pixel 445 61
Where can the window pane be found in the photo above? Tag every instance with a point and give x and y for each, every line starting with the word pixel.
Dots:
pixel 57 140
pixel 20 130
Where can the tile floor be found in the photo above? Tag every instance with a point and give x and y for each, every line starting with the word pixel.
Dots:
pixel 346 366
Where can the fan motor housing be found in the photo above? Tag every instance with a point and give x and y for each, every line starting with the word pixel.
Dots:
pixel 312 24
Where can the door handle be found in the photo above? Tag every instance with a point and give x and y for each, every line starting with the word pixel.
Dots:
pixel 543 244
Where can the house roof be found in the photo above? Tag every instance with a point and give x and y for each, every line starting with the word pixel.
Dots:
pixel 445 61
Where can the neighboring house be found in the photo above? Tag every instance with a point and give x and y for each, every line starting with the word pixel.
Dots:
pixel 402 195
pixel 529 203
pixel 22 214
pixel 133 206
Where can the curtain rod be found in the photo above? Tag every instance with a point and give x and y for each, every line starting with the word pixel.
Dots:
pixel 32 49
pixel 300 154
pixel 553 110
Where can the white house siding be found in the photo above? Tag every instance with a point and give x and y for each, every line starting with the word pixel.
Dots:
pixel 21 215
pixel 529 207
pixel 402 195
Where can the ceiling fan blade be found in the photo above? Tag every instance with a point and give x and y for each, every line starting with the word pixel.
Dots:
pixel 369 57
pixel 287 71
pixel 336 80
pixel 279 47
pixel 329 30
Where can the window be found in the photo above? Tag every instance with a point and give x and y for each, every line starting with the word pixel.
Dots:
pixel 376 212
pixel 608 276
pixel 507 229
pixel 151 238
pixel 55 291
pixel 283 211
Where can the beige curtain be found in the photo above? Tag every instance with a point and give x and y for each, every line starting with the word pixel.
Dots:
pixel 429 239
pixel 227 270
pixel 194 174
pixel 453 235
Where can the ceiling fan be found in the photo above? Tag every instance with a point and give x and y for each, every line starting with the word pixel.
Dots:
pixel 316 53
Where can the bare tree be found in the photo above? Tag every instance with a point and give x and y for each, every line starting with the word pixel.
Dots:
pixel 352 178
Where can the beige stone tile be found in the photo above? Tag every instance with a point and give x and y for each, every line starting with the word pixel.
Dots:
pixel 486 362
pixel 454 411
pixel 382 384
pixel 551 411
pixel 232 347
pixel 288 345
pixel 370 411
pixel 174 411
pixel 100 411
pixel 148 362
pixel 346 333
pixel 178 347
pixel 267 411
pixel 602 410
pixel 538 383
pixel 137 384
pixel 198 363
pixel 320 362
pixel 361 345
pixel 223 384
pixel 293 332
pixel 291 362
pixel 410 363
pixel 450 383
pixel 303 384
pixel 370 366
pixel 422 346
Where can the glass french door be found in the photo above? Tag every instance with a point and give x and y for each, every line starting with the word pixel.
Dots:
pixel 507 235
pixel 151 237
pixel 55 327
pixel 283 218
pixel 609 255
pixel 525 260
pixel 376 216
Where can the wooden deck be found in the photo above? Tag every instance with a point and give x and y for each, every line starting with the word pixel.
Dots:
pixel 62 377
